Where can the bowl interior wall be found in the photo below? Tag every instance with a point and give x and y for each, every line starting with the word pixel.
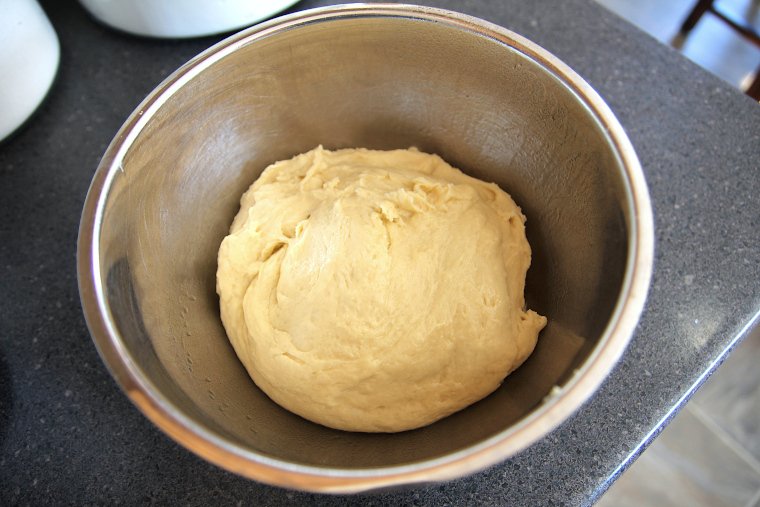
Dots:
pixel 378 83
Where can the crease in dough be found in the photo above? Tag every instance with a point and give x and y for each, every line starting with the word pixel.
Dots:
pixel 376 291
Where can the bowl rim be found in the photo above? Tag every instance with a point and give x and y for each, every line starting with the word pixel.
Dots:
pixel 537 424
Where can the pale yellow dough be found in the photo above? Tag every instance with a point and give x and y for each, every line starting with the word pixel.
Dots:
pixel 376 291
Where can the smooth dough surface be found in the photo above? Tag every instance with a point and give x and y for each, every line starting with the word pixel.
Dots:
pixel 376 291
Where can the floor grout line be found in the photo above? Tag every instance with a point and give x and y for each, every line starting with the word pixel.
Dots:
pixel 724 436
pixel 755 500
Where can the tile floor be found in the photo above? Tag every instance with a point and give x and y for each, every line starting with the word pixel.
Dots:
pixel 711 44
pixel 709 455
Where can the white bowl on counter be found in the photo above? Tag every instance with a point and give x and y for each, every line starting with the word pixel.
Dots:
pixel 182 18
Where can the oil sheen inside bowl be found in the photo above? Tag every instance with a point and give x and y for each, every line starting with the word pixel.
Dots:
pixel 383 77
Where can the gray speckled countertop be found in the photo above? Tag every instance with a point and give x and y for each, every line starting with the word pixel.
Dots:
pixel 69 436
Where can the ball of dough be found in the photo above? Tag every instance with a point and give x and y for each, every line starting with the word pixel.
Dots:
pixel 376 291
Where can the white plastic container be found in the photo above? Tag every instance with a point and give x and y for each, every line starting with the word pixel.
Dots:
pixel 29 56
pixel 182 18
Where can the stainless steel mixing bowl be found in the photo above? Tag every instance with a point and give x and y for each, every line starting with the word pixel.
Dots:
pixel 379 76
